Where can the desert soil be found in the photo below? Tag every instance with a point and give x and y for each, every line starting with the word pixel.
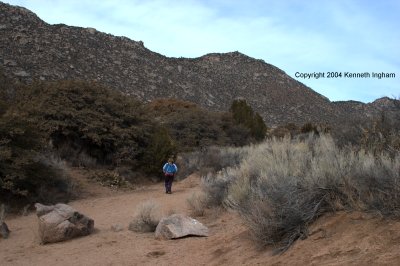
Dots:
pixel 335 239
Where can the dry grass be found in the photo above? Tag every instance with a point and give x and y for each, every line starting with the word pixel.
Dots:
pixel 282 186
pixel 147 217
pixel 197 203
pixel 216 187
pixel 210 160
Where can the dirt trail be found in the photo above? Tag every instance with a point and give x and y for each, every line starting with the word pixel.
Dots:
pixel 340 239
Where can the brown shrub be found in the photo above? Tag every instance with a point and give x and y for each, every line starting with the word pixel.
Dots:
pixel 146 218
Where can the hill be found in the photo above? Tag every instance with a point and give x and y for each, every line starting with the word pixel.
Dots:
pixel 40 51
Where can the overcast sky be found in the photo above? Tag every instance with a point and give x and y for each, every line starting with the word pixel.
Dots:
pixel 294 35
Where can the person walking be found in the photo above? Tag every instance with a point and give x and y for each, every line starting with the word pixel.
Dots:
pixel 169 170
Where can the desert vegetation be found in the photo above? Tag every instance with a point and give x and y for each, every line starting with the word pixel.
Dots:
pixel 147 216
pixel 47 127
pixel 81 123
pixel 283 185
pixel 193 128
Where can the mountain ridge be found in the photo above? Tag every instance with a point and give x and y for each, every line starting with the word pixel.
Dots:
pixel 41 51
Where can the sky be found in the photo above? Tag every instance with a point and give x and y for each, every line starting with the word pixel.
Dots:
pixel 297 36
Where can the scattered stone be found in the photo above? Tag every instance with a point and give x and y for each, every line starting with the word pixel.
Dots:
pixel 21 73
pixel 61 222
pixel 4 231
pixel 91 30
pixel 178 225
pixel 9 62
pixel 155 254
pixel 117 228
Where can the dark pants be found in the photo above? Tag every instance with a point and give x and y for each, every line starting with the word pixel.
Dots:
pixel 168 182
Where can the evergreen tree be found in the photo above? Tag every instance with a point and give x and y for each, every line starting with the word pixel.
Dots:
pixel 243 114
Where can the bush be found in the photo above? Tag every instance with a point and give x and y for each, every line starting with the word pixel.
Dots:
pixel 88 118
pixel 26 175
pixel 146 218
pixel 197 203
pixel 209 160
pixel 282 186
pixel 216 188
pixel 192 127
pixel 160 148
pixel 382 135
pixel 89 124
pixel 2 213
pixel 109 178
pixel 243 114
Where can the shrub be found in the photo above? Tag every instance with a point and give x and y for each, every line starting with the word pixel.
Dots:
pixel 109 178
pixel 192 127
pixel 87 117
pixel 160 148
pixel 382 135
pixel 146 218
pixel 89 124
pixel 197 203
pixel 26 175
pixel 282 186
pixel 2 213
pixel 216 188
pixel 209 160
pixel 243 114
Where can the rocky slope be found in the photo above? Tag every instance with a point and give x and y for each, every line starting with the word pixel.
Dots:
pixel 31 49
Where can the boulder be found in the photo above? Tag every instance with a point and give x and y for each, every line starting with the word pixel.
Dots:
pixel 4 231
pixel 178 225
pixel 61 222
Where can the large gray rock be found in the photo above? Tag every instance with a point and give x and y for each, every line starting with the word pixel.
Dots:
pixel 178 225
pixel 61 222
pixel 4 231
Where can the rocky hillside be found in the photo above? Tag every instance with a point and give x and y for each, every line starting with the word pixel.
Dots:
pixel 31 49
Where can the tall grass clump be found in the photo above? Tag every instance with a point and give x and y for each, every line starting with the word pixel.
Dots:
pixel 147 217
pixel 197 203
pixel 282 186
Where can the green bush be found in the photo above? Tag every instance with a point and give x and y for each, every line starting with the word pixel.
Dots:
pixel 83 123
pixel 26 176
pixel 86 117
pixel 243 114
pixel 87 123
pixel 160 148
pixel 192 127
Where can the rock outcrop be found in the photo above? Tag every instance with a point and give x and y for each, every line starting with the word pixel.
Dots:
pixel 178 225
pixel 61 222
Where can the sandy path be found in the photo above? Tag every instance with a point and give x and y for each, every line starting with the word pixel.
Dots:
pixel 341 239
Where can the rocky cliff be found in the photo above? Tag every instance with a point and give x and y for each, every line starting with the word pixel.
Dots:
pixel 31 49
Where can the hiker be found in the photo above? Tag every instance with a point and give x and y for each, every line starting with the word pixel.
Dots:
pixel 169 170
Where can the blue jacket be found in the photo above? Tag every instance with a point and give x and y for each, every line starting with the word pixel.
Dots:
pixel 170 168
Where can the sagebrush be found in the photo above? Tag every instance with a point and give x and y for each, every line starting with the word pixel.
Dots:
pixel 147 217
pixel 282 186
